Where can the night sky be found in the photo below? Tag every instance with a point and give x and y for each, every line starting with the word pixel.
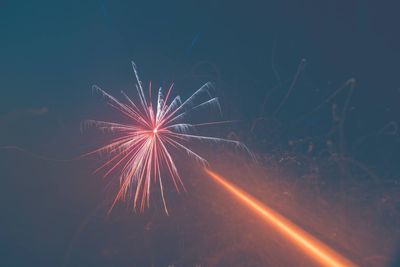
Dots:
pixel 53 209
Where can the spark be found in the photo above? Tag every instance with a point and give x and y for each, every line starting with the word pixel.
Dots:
pixel 140 151
pixel 311 246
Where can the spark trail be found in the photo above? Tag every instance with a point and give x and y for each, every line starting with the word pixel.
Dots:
pixel 315 249
pixel 140 151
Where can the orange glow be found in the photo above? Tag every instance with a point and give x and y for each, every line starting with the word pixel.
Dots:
pixel 314 248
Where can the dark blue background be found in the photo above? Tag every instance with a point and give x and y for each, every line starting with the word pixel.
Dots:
pixel 51 52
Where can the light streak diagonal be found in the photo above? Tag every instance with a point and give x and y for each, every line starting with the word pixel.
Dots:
pixel 315 249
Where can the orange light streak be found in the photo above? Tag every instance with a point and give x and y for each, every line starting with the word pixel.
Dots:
pixel 311 246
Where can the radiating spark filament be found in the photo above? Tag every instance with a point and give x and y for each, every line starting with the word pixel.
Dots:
pixel 140 151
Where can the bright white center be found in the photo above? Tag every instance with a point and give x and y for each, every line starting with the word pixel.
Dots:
pixel 155 130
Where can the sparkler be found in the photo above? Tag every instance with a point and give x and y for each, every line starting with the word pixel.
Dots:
pixel 140 153
pixel 141 149
pixel 315 249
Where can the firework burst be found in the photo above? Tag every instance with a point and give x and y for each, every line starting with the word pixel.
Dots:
pixel 140 151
